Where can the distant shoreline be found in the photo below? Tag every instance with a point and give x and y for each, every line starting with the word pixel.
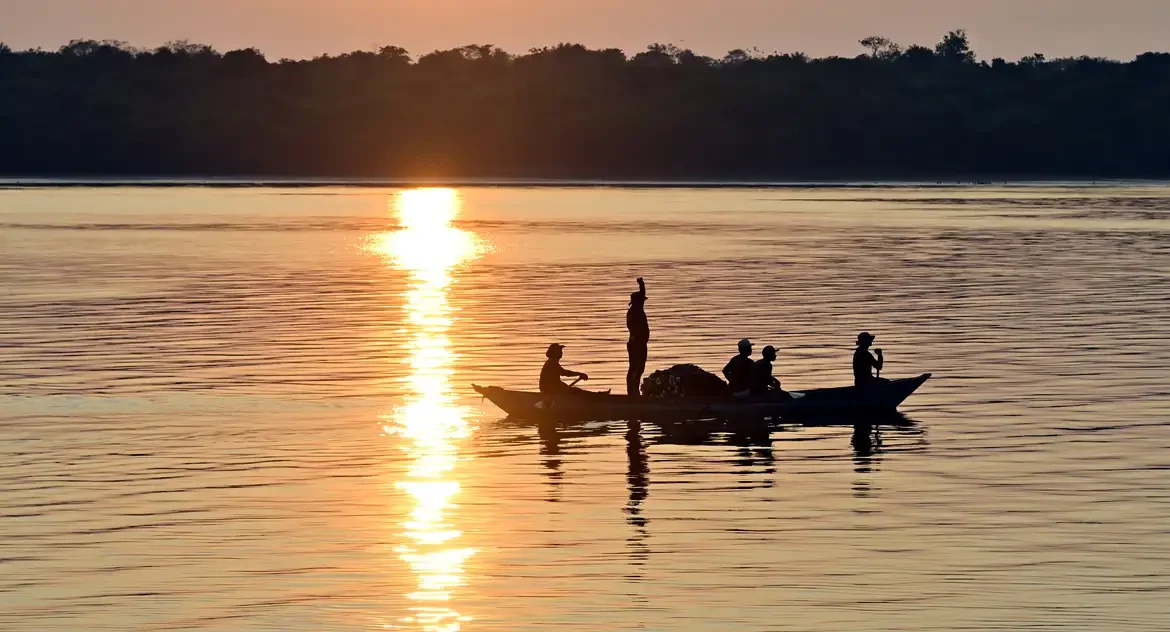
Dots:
pixel 106 113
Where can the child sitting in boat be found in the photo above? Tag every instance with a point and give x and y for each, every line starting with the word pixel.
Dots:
pixel 763 382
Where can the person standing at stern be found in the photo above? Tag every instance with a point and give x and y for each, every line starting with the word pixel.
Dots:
pixel 638 345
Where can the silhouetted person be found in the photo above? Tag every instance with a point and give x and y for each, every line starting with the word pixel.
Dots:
pixel 763 382
pixel 551 374
pixel 739 370
pixel 864 362
pixel 637 347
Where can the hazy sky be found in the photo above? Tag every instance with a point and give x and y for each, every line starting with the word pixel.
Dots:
pixel 305 28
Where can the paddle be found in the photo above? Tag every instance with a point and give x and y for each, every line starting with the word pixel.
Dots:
pixel 574 383
pixel 605 392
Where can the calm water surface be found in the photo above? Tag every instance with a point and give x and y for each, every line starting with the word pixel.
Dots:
pixel 249 409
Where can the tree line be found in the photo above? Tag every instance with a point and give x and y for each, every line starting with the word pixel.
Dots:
pixel 106 108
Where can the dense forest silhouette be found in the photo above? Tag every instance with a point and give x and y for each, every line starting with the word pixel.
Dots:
pixel 105 108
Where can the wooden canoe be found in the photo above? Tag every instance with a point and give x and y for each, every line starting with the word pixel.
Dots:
pixel 883 397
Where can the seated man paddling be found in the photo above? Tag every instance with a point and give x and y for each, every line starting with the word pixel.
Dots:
pixel 864 362
pixel 551 374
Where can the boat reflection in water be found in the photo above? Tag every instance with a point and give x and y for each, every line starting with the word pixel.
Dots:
pixel 757 444
pixel 429 422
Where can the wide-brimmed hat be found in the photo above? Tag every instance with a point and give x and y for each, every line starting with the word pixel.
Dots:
pixel 864 337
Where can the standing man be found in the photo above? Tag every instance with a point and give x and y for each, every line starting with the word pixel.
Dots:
pixel 639 339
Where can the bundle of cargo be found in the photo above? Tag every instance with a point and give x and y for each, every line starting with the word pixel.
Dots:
pixel 683 380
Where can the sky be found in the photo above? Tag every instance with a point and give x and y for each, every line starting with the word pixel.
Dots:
pixel 306 28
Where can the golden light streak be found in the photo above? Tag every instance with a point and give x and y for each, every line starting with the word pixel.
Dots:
pixel 432 425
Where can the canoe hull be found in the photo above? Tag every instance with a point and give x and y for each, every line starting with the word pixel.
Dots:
pixel 845 401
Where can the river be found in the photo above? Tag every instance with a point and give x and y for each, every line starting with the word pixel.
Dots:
pixel 249 409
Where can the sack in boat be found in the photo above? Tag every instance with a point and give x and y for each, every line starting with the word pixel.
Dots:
pixel 683 380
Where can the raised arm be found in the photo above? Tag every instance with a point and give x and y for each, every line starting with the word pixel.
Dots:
pixel 642 286
pixel 880 361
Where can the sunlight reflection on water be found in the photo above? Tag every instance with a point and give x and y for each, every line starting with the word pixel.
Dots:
pixel 428 247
